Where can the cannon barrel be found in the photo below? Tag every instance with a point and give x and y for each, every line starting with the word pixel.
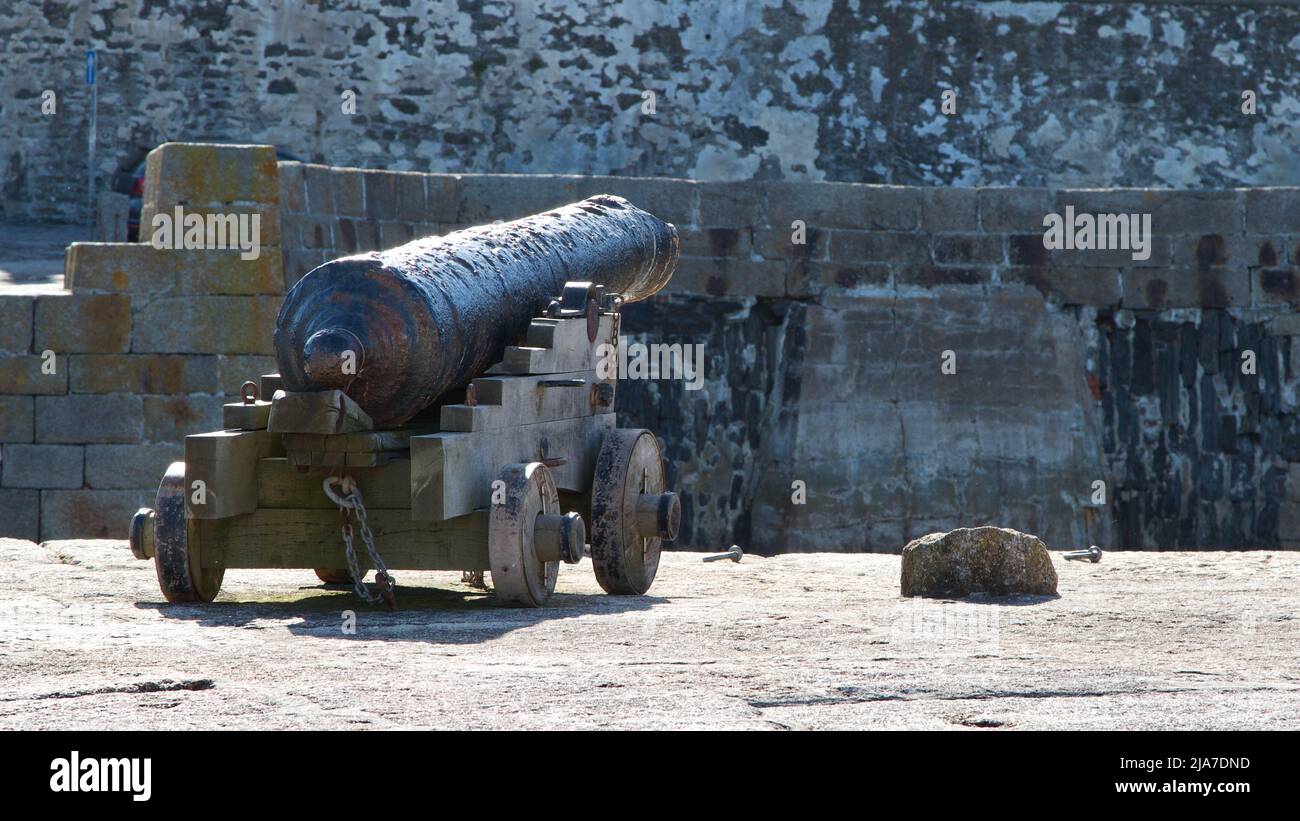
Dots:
pixel 396 329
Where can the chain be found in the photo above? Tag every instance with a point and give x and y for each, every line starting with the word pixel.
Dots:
pixel 350 505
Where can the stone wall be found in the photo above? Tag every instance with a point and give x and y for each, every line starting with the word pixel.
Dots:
pixel 1199 451
pixel 1080 94
pixel 143 347
pixel 823 359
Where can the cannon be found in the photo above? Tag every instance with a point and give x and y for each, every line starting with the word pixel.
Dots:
pixel 443 405
pixel 430 315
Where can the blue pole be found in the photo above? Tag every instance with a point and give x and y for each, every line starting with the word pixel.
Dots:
pixel 90 138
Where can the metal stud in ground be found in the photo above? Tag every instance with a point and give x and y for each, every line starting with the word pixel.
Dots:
pixel 735 554
pixel 1092 554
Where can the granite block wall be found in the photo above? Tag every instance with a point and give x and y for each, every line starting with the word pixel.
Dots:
pixel 99 384
pixel 824 357
pixel 918 361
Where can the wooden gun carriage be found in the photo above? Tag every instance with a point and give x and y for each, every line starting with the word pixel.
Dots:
pixel 510 473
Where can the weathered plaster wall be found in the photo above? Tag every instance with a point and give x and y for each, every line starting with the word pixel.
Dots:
pixel 1057 94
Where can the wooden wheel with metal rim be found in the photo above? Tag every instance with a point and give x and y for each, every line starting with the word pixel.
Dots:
pixel 519 576
pixel 631 513
pixel 528 537
pixel 177 555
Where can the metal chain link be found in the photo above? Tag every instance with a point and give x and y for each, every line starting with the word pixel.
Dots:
pixel 350 504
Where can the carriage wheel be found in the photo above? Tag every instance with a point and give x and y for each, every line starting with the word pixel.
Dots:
pixel 519 577
pixel 631 513
pixel 177 557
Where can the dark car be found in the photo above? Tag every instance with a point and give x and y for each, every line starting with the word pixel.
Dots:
pixel 133 186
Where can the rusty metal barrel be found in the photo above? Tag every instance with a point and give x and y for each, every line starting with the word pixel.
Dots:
pixel 398 328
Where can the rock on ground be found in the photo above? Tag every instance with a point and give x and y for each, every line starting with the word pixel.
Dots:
pixel 1141 641
pixel 996 561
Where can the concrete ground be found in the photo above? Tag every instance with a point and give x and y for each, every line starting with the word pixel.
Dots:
pixel 823 641
pixel 31 256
